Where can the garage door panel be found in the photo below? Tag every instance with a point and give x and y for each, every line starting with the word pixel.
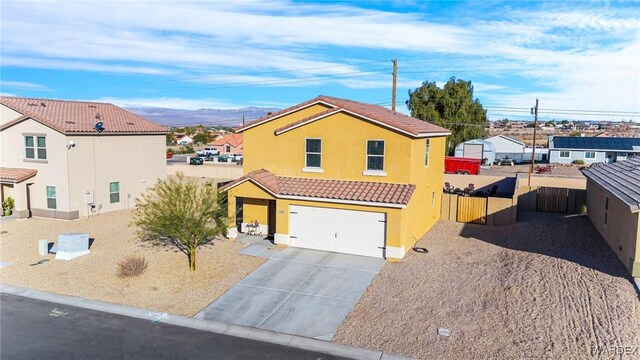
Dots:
pixel 338 230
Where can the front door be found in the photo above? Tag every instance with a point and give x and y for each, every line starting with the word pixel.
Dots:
pixel 271 223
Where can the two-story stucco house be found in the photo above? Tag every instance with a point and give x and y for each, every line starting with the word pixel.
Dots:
pixel 71 159
pixel 339 175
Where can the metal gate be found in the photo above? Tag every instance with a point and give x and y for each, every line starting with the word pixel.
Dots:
pixel 550 199
pixel 472 210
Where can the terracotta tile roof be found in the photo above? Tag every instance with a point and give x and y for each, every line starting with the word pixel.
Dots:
pixel 79 116
pixel 386 117
pixel 233 140
pixel 16 175
pixel 360 191
pixel 622 179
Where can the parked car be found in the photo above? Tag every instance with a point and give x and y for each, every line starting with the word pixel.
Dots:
pixel 169 155
pixel 223 158
pixel 236 157
pixel 196 160
pixel 208 151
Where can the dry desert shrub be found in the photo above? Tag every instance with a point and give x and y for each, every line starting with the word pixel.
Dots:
pixel 132 266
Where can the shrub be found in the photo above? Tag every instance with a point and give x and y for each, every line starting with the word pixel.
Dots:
pixel 132 266
pixel 578 162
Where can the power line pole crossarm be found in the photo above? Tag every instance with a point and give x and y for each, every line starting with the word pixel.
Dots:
pixel 533 151
pixel 393 87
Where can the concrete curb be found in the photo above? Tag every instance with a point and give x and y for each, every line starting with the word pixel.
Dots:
pixel 298 342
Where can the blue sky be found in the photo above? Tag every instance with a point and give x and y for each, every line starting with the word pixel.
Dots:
pixel 573 55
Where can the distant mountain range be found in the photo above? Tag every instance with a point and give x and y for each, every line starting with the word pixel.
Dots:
pixel 207 117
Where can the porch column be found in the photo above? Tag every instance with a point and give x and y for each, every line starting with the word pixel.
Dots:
pixel 232 230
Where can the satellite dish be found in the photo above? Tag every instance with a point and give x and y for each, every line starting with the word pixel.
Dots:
pixel 99 127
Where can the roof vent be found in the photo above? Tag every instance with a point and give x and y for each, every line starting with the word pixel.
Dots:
pixel 98 116
pixel 92 106
pixel 43 104
pixel 69 122
pixel 130 123
pixel 32 104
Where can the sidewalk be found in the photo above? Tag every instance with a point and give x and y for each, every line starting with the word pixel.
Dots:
pixel 204 325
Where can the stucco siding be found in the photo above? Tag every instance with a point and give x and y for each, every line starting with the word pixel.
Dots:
pixel 621 231
pixel 136 162
pixel 7 114
pixel 51 172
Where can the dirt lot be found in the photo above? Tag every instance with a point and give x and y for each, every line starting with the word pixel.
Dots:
pixel 559 170
pixel 546 287
pixel 167 285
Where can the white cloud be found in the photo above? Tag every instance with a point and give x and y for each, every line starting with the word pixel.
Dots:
pixel 21 85
pixel 583 57
pixel 172 103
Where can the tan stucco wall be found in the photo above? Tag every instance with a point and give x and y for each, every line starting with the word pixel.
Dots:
pixel 134 161
pixel 209 169
pixel 7 114
pixel 621 231
pixel 51 172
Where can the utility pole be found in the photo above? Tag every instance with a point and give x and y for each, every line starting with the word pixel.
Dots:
pixel 393 88
pixel 533 151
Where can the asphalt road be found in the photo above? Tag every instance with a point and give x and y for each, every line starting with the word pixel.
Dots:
pixel 33 329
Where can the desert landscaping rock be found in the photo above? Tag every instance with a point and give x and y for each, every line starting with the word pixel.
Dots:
pixel 546 287
pixel 166 285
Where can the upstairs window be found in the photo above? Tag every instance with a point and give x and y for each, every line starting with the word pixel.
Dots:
pixel 426 158
pixel 227 148
pixel 114 192
pixel 35 147
pixel 313 153
pixel 565 154
pixel 375 155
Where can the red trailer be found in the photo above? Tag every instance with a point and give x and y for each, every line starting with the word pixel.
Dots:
pixel 460 165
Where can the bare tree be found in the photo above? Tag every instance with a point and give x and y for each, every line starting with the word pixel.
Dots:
pixel 182 213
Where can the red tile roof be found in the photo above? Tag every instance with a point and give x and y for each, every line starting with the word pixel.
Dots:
pixel 384 116
pixel 79 116
pixel 16 175
pixel 359 191
pixel 233 140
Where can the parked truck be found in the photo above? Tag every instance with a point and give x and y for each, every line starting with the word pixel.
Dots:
pixel 461 165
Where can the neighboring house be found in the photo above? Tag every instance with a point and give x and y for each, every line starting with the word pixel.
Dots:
pixel 613 205
pixel 228 144
pixel 185 140
pixel 339 175
pixel 567 149
pixel 508 147
pixel 477 149
pixel 54 162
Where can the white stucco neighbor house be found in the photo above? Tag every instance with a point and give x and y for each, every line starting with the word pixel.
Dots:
pixel 70 159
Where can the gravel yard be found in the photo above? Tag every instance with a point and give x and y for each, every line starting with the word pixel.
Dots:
pixel 166 285
pixel 545 287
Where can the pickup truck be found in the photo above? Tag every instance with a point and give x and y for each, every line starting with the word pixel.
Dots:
pixel 208 151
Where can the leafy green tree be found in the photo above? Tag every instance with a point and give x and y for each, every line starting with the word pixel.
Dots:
pixel 202 138
pixel 170 138
pixel 451 107
pixel 181 213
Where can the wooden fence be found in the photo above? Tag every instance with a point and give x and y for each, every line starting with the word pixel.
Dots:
pixel 552 199
pixel 472 210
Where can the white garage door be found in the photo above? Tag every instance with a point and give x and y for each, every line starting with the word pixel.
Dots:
pixel 473 151
pixel 343 231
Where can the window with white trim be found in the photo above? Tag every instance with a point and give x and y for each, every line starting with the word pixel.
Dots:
pixel 589 154
pixel 375 155
pixel 35 147
pixel 313 153
pixel 227 148
pixel 426 157
pixel 51 197
pixel 114 192
pixel 565 154
pixel 606 210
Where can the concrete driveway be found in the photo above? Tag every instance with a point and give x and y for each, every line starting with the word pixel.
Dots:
pixel 297 291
